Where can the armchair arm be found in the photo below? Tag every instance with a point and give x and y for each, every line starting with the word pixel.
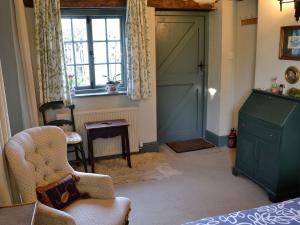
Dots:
pixel 50 216
pixel 96 185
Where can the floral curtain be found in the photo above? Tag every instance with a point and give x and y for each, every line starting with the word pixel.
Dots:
pixel 53 85
pixel 138 65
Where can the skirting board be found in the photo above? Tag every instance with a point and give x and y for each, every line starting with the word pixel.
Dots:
pixel 219 141
pixel 147 147
pixel 150 147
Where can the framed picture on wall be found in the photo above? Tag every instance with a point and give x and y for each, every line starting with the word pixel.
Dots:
pixel 290 43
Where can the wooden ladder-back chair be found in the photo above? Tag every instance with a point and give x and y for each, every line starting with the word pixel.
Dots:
pixel 74 140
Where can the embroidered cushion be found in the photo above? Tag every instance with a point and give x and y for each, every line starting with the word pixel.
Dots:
pixel 59 194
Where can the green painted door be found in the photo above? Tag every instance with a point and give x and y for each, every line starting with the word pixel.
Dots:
pixel 180 52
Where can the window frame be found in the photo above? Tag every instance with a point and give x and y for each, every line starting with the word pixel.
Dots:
pixel 90 14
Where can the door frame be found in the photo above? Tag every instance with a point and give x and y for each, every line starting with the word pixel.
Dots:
pixel 205 16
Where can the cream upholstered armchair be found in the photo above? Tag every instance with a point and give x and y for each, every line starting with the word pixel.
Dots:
pixel 37 157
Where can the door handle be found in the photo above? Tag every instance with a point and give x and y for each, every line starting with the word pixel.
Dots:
pixel 201 66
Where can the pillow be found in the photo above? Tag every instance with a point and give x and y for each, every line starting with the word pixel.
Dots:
pixel 59 194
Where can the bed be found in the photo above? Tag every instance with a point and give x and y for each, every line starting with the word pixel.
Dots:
pixel 287 212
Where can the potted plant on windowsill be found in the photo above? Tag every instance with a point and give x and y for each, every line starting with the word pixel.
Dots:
pixel 71 80
pixel 112 85
pixel 113 78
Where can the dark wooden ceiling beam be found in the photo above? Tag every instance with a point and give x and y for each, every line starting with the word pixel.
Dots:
pixel 180 5
pixel 158 4
pixel 85 3
pixel 28 3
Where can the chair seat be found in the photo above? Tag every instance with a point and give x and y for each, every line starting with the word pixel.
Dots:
pixel 73 138
pixel 99 211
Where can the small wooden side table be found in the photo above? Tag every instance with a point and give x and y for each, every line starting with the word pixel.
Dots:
pixel 18 214
pixel 108 129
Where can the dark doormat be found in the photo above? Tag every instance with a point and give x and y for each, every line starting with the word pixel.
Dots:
pixel 190 145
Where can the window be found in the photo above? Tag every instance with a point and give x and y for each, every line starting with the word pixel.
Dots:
pixel 94 48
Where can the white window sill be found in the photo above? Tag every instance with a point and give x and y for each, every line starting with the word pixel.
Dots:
pixel 99 94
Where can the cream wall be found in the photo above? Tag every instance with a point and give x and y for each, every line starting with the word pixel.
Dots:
pixel 214 69
pixel 267 63
pixel 245 55
pixel 221 67
pixel 232 53
pixel 146 108
pixel 228 66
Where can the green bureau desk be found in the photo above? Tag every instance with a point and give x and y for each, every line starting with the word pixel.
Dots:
pixel 268 147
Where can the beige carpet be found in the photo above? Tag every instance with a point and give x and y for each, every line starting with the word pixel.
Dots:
pixel 145 167
pixel 205 188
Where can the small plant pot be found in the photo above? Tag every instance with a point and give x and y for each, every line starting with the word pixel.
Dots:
pixel 112 88
pixel 72 92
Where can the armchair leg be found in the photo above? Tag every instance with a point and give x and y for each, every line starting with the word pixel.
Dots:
pixel 83 157
pixel 76 148
pixel 127 218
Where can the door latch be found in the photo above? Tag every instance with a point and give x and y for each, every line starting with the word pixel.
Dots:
pixel 201 66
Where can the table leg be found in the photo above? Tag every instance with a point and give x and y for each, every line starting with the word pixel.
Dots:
pixel 123 146
pixel 89 158
pixel 91 154
pixel 127 148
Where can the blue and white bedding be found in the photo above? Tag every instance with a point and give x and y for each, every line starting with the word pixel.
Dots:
pixel 287 212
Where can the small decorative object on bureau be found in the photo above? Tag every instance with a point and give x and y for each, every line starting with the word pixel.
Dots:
pixel 274 87
pixel 268 143
pixel 292 75
pixel 294 92
pixel 281 89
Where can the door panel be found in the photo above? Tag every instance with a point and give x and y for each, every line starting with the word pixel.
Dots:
pixel 267 166
pixel 246 148
pixel 180 49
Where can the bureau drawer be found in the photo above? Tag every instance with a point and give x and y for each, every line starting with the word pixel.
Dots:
pixel 259 130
